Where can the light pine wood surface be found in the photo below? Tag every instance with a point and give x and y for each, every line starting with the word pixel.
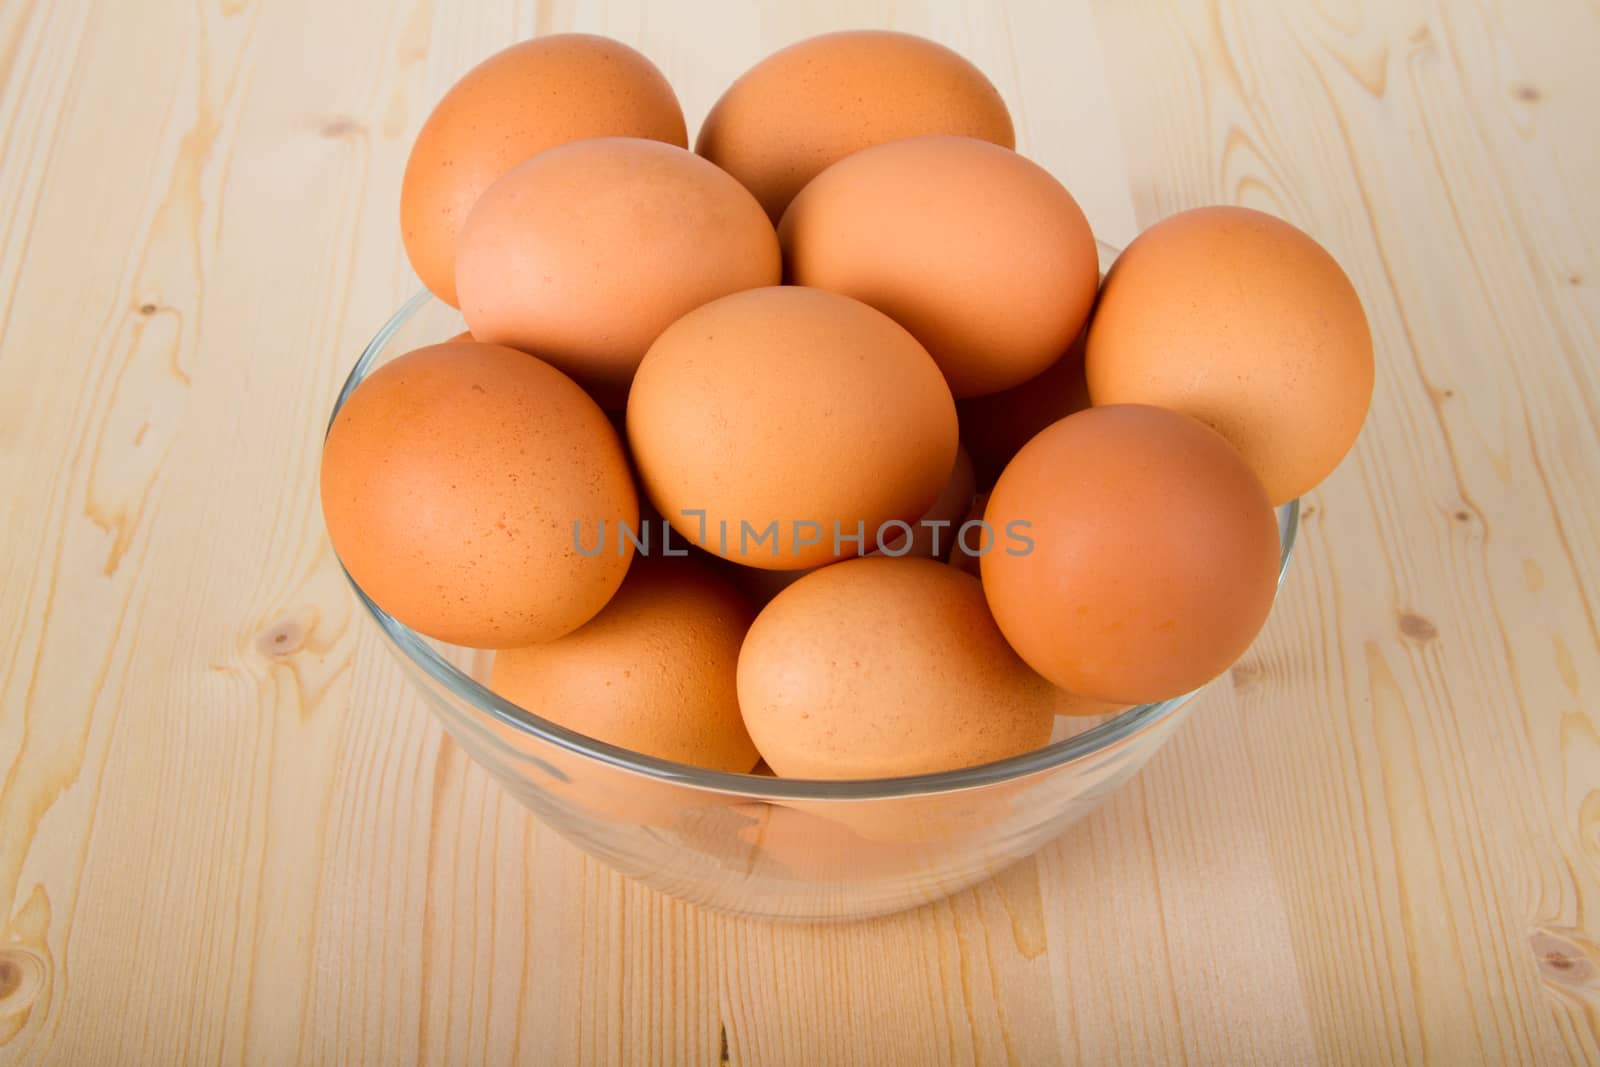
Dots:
pixel 230 833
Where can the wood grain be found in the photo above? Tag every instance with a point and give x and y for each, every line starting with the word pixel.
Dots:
pixel 230 833
pixel 1431 814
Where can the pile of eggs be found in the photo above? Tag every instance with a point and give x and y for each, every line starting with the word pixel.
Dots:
pixel 825 443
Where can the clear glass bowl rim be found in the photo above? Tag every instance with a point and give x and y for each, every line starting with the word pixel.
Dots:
pixel 1102 737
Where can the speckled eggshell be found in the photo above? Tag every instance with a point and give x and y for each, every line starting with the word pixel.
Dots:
pixel 1243 321
pixel 451 482
pixel 883 667
pixel 585 253
pixel 1153 559
pixel 652 672
pixel 980 253
pixel 789 405
pixel 808 106
pixel 515 104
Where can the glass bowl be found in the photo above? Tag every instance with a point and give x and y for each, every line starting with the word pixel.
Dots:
pixel 759 846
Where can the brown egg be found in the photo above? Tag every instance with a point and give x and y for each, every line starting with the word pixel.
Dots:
pixel 1244 322
pixel 808 106
pixel 995 427
pixel 515 104
pixel 776 426
pixel 558 783
pixel 653 672
pixel 792 840
pixel 1137 555
pixel 882 667
pixel 585 253
pixel 455 481
pixel 980 253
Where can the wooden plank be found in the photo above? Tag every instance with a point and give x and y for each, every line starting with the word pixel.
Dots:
pixel 1416 711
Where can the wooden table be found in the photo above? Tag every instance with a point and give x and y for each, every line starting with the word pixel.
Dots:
pixel 229 832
